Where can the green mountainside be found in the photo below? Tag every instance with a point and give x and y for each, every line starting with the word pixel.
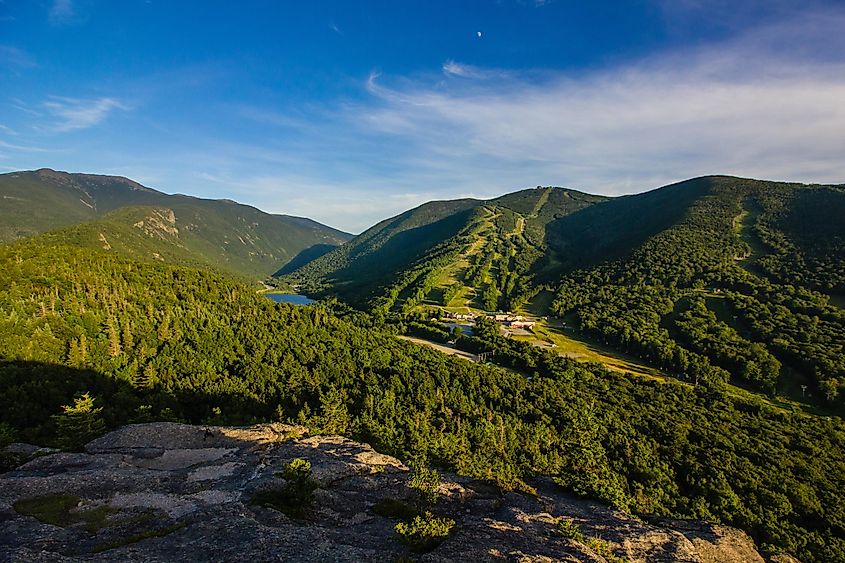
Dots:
pixel 715 278
pixel 188 230
pixel 480 249
pixel 91 339
pixel 737 288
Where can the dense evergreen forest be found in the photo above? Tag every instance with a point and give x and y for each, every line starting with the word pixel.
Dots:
pixel 155 342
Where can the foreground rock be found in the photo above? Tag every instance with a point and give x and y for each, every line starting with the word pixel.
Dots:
pixel 174 492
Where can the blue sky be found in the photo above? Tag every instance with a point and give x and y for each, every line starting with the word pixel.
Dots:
pixel 349 112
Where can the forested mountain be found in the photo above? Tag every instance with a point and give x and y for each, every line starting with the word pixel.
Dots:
pixel 439 246
pixel 712 278
pixel 151 341
pixel 155 226
pixel 738 287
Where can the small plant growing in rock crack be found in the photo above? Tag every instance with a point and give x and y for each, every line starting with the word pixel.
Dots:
pixel 571 530
pixel 297 495
pixel 603 548
pixel 424 532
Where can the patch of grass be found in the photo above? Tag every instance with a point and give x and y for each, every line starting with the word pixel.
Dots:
pixel 49 509
pixel 579 346
pixel 540 304
pixel 135 538
pixel 602 548
pixel 425 532
pixel 58 510
pixel 394 508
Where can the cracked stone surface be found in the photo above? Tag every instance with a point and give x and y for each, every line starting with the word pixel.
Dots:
pixel 176 492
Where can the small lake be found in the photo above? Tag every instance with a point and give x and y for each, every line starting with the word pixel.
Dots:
pixel 293 298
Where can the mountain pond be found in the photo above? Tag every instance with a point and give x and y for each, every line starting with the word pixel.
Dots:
pixel 293 298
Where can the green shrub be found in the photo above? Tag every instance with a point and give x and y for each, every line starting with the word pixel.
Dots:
pixel 425 481
pixel 298 470
pixel 602 548
pixel 7 434
pixel 424 533
pixel 79 423
pixel 571 530
pixel 297 496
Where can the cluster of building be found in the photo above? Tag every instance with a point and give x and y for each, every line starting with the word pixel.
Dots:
pixel 505 319
pixel 512 321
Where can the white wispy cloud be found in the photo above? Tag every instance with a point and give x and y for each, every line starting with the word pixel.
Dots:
pixel 463 70
pixel 24 148
pixel 62 12
pixel 15 57
pixel 75 113
pixel 750 107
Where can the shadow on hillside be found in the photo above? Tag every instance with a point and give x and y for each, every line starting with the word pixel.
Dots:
pixel 401 250
pixel 612 229
pixel 32 392
pixel 307 255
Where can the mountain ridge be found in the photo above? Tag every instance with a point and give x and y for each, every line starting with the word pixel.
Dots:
pixel 223 233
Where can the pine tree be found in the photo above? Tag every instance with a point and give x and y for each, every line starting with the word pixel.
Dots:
pixel 114 338
pixel 128 341
pixel 77 354
pixel 79 423
pixel 164 328
pixel 335 419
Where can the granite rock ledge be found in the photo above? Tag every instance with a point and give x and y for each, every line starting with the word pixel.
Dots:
pixel 176 492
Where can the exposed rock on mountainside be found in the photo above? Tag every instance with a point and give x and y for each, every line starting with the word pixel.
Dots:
pixel 159 222
pixel 175 492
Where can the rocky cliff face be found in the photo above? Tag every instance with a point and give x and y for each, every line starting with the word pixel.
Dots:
pixel 174 492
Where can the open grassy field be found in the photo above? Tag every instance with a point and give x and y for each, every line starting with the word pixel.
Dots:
pixel 573 344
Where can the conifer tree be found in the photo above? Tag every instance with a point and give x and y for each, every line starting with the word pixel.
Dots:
pixel 128 341
pixel 79 423
pixel 114 338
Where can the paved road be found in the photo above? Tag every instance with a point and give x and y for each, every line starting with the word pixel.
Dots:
pixel 441 347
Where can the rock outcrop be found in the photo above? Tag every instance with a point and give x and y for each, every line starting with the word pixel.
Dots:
pixel 175 492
